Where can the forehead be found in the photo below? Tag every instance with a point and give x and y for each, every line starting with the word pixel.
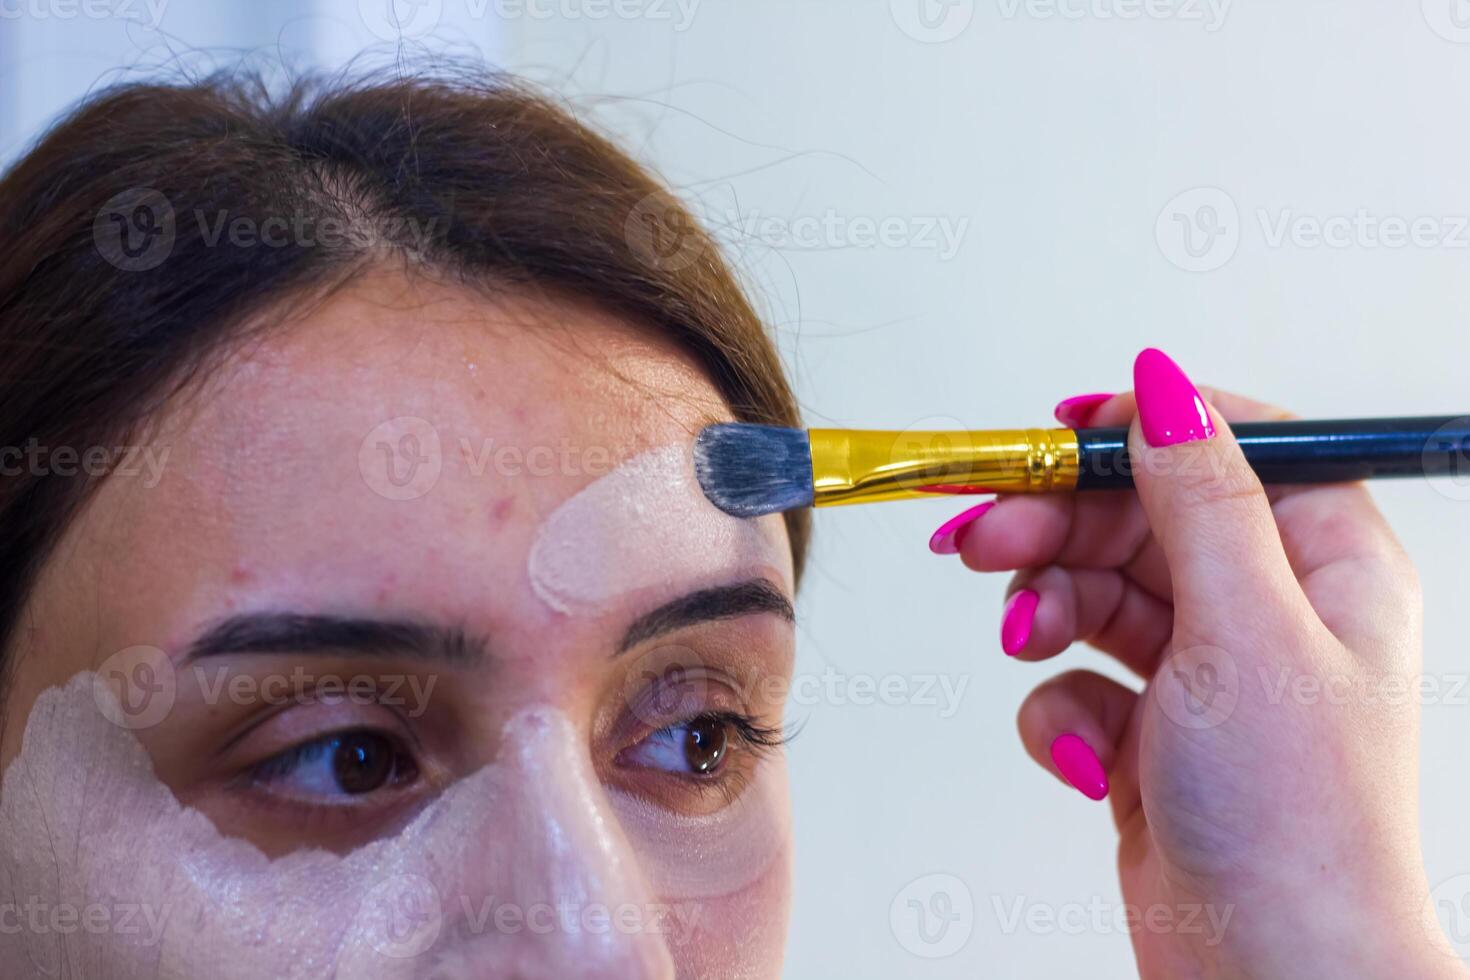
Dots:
pixel 396 444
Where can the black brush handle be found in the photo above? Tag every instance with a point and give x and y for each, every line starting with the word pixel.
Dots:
pixel 1305 451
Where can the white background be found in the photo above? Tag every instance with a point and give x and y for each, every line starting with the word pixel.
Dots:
pixel 1053 139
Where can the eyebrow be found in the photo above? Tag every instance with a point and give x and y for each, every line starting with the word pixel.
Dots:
pixel 746 598
pixel 296 633
pixel 303 633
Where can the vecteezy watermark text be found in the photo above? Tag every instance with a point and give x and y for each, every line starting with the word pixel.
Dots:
pixel 299 686
pixel 831 229
pixel 1200 230
pixel 1101 917
pixel 1210 13
pixel 137 230
pixel 39 917
pixel 676 920
pixel 149 13
pixel 36 459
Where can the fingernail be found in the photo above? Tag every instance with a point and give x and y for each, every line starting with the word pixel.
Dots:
pixel 946 538
pixel 1169 408
pixel 1076 412
pixel 1079 765
pixel 1015 622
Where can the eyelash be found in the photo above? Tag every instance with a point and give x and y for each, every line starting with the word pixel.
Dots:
pixel 753 735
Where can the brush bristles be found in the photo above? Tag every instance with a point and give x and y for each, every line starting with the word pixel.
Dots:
pixel 750 470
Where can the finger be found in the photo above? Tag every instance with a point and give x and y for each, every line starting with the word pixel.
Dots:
pixel 1122 408
pixel 1208 510
pixel 1089 530
pixel 1077 412
pixel 1351 566
pixel 1348 561
pixel 1072 726
pixel 1103 608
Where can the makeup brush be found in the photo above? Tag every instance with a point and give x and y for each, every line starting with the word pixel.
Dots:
pixel 749 470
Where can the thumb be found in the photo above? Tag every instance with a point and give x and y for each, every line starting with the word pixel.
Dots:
pixel 1206 508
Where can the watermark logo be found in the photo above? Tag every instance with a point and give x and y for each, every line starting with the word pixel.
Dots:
pixel 134 231
pixel 399 20
pixel 1447 459
pixel 1199 230
pixel 1198 687
pixel 663 234
pixel 1447 908
pixel 1450 19
pixel 401 916
pixel 401 458
pixel 932 21
pixel 135 687
pixel 933 916
pixel 669 681
pixel 925 449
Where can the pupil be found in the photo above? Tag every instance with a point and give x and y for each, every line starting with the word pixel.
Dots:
pixel 362 762
pixel 704 746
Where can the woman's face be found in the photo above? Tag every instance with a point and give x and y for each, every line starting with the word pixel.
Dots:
pixel 386 606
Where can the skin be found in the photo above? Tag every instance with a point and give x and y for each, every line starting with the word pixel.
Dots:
pixel 1295 814
pixel 263 506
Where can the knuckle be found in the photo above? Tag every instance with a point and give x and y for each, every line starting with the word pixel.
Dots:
pixel 1407 577
pixel 1245 409
pixel 1210 479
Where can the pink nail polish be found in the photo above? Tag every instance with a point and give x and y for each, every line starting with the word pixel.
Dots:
pixel 1079 765
pixel 1169 408
pixel 946 538
pixel 1076 412
pixel 1015 622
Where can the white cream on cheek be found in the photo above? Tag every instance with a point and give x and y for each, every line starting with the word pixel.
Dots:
pixel 88 833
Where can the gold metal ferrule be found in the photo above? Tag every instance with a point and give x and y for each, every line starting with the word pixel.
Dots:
pixel 855 466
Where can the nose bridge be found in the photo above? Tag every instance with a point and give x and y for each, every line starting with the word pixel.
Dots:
pixel 571 873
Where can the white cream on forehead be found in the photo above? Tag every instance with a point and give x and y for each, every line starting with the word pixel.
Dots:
pixel 645 524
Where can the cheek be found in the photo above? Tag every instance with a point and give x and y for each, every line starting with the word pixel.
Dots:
pixel 743 934
pixel 725 878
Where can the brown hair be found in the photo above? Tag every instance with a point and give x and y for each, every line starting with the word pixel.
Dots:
pixel 107 302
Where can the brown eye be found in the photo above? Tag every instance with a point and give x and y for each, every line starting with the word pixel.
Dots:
pixel 352 763
pixel 705 743
pixel 362 762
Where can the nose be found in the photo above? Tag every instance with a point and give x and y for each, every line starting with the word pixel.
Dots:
pixel 566 871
